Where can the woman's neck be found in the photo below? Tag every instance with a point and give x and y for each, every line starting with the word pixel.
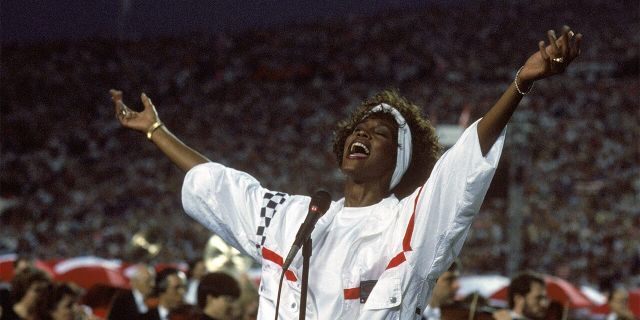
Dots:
pixel 364 194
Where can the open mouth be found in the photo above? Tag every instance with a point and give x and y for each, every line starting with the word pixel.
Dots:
pixel 358 151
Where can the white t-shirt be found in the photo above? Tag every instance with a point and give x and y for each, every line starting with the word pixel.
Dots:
pixel 138 297
pixel 404 244
pixel 191 297
pixel 163 312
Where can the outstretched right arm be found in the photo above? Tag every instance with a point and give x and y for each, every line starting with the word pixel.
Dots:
pixel 148 122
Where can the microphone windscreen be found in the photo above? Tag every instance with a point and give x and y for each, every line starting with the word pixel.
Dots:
pixel 322 200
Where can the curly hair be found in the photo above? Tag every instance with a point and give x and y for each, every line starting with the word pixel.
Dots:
pixel 426 148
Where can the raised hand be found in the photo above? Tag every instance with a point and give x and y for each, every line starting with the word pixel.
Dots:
pixel 552 58
pixel 140 121
pixel 147 121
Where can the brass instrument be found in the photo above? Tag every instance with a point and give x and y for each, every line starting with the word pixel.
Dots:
pixel 140 241
pixel 221 257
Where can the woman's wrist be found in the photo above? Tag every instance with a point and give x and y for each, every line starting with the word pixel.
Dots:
pixel 155 126
pixel 523 85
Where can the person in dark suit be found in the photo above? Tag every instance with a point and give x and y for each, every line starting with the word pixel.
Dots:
pixel 171 285
pixel 131 304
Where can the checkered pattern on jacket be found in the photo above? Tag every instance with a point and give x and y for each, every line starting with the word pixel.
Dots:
pixel 271 202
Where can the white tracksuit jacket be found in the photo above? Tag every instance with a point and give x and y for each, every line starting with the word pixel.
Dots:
pixel 404 244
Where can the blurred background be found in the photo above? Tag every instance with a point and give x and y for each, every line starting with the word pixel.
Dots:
pixel 259 86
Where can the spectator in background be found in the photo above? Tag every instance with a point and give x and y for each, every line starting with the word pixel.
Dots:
pixel 197 269
pixel 59 301
pixel 618 300
pixel 26 287
pixel 131 304
pixel 20 264
pixel 527 298
pixel 444 292
pixel 216 293
pixel 171 285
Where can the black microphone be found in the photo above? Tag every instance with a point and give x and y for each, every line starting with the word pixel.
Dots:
pixel 320 203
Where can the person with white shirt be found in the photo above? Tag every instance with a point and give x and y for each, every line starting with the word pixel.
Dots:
pixel 197 269
pixel 131 304
pixel 406 211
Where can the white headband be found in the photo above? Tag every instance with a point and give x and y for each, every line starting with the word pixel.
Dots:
pixel 403 157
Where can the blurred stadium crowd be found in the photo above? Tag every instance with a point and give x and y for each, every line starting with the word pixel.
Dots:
pixel 265 101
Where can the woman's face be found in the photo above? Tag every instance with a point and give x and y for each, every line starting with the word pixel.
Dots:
pixel 65 309
pixel 370 150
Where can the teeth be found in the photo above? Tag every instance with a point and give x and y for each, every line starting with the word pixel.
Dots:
pixel 359 144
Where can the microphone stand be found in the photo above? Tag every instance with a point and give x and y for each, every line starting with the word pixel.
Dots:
pixel 306 256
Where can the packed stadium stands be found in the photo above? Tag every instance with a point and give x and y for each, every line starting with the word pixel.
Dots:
pixel 73 182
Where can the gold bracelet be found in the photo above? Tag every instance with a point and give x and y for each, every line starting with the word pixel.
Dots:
pixel 516 82
pixel 153 128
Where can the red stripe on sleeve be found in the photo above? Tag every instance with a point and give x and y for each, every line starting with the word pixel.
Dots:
pixel 277 259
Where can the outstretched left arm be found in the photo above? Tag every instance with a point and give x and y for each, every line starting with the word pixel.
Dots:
pixel 550 60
